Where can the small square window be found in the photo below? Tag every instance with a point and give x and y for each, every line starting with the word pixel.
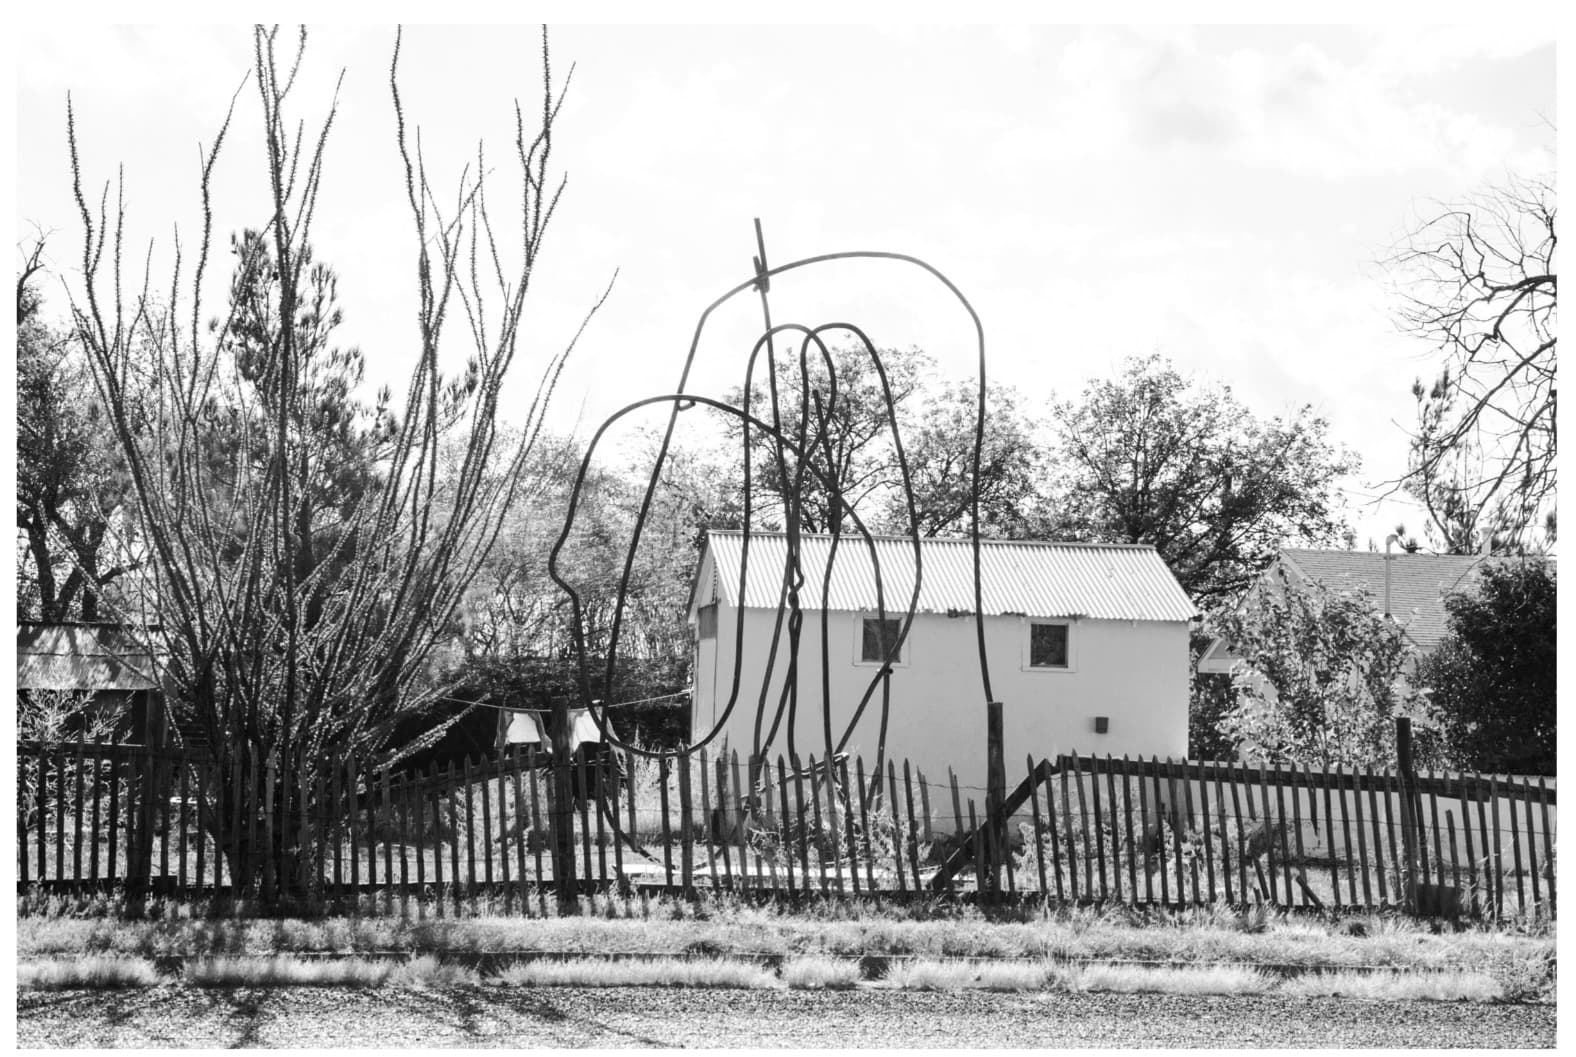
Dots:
pixel 880 638
pixel 1048 646
pixel 706 621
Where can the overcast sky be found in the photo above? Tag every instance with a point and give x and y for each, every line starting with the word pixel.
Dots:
pixel 1219 195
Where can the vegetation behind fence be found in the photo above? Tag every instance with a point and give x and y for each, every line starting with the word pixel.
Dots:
pixel 1077 828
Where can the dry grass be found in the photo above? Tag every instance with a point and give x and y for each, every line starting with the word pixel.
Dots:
pixel 821 973
pixel 644 972
pixel 283 971
pixel 1390 987
pixel 926 975
pixel 1190 980
pixel 91 971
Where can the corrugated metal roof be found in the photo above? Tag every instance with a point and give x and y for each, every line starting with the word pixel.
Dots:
pixel 82 657
pixel 1099 581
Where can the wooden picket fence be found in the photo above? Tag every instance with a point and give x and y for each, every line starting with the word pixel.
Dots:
pixel 1075 829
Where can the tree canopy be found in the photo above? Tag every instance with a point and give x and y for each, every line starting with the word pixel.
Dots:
pixel 1492 679
pixel 1154 457
pixel 1479 285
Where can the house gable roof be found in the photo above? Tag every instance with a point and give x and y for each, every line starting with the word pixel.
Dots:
pixel 1096 581
pixel 82 657
pixel 1419 583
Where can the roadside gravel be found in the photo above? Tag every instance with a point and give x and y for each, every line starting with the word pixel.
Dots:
pixel 174 1016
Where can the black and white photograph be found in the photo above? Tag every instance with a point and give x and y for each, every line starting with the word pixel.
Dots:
pixel 758 536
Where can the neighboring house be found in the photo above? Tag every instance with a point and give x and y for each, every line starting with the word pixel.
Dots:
pixel 102 666
pixel 1087 645
pixel 1411 588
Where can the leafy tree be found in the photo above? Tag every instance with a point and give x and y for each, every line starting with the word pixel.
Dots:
pixel 1322 677
pixel 72 491
pixel 1153 457
pixel 1492 679
pixel 935 421
pixel 300 610
pixel 844 415
pixel 941 454
pixel 1480 286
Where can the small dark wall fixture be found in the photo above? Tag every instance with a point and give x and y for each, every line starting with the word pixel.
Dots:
pixel 1102 724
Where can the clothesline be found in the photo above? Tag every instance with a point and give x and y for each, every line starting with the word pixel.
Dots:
pixel 597 704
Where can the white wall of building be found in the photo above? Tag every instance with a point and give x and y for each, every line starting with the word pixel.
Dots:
pixel 1132 672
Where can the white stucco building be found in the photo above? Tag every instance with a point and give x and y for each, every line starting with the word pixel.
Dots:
pixel 1087 647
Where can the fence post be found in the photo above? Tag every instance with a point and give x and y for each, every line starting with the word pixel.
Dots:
pixel 995 794
pixel 1407 774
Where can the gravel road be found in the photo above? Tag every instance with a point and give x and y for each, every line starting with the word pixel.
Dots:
pixel 174 1016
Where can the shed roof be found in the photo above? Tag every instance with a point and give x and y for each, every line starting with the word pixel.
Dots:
pixel 82 657
pixel 1098 581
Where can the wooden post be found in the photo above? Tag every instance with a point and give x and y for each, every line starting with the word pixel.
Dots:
pixel 1378 832
pixel 864 820
pixel 533 762
pixel 1548 839
pixel 1240 846
pixel 686 831
pixel 1532 845
pixel 1116 827
pixel 1097 820
pixel 1225 840
pixel 1132 843
pixel 897 829
pixel 1143 811
pixel 995 793
pixel 667 832
pixel 93 853
pixel 1407 774
pixel 1067 809
pixel 1209 842
pixel 561 819
pixel 1466 833
pixel 1362 842
pixel 76 827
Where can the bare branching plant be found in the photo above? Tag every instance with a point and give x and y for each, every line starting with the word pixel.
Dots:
pixel 299 620
pixel 1480 286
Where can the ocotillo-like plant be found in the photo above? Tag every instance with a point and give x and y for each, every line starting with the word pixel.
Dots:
pixel 297 631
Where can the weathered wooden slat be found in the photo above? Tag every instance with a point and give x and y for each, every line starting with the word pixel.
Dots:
pixel 924 807
pixel 705 802
pixel 1098 822
pixel 270 820
pixel 1548 840
pixel 1116 828
pixel 1225 838
pixel 452 790
pixel 62 814
pixel 533 760
pixel 784 844
pixel 1402 870
pixel 1532 848
pixel 864 821
pixel 1175 803
pixel 1439 851
pixel 1515 855
pixel 1039 828
pixel 76 829
pixel 1132 843
pixel 1162 811
pixel 1472 870
pixel 1085 826
pixel 21 819
pixel 718 814
pixel 1374 823
pixel 897 829
pixel 185 794
pixel 1499 858
pixel 686 828
pixel 1362 847
pixel 802 818
pixel 1209 842
pixel 1180 774
pixel 1455 861
pixel 1240 845
pixel 913 829
pixel 736 811
pixel 98 784
pixel 1280 821
pixel 982 887
pixel 964 836
pixel 1271 832
pixel 610 773
pixel 664 770
pixel 633 823
pixel 578 764
pixel 1296 826
pixel 1072 854
pixel 1147 848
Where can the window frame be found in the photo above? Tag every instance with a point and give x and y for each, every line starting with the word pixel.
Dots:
pixel 1029 624
pixel 904 651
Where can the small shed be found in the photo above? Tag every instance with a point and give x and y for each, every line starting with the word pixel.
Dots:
pixel 1087 646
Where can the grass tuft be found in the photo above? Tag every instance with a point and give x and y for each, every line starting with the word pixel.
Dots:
pixel 90 971
pixel 644 972
pixel 926 975
pixel 284 971
pixel 821 973
pixel 1189 980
